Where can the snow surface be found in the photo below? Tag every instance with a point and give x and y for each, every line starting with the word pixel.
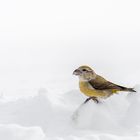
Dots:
pixel 53 116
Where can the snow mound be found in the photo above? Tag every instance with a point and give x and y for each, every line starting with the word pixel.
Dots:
pixel 52 116
pixel 16 132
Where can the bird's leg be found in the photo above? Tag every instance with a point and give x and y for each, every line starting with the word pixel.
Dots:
pixel 87 100
pixel 93 98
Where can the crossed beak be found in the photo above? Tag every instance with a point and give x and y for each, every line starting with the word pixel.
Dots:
pixel 77 72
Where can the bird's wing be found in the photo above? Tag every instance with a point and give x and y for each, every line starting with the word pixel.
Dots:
pixel 102 84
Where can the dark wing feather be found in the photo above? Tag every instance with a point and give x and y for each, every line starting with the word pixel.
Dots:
pixel 102 84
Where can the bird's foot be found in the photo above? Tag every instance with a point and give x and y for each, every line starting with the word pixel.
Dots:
pixel 95 100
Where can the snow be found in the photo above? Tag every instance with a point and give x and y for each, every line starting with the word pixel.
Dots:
pixel 52 116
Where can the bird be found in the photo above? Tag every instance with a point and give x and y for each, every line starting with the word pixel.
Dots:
pixel 96 87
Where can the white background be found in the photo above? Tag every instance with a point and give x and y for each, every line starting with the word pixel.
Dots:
pixel 42 42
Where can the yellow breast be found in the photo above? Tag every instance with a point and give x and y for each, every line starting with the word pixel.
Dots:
pixel 91 92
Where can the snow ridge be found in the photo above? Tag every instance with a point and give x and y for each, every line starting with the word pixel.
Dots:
pixel 49 116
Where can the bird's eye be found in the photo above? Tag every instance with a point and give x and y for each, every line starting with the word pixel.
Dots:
pixel 84 70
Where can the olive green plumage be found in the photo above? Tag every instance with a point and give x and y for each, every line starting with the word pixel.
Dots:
pixel 95 86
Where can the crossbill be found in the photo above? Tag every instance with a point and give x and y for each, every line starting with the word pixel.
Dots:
pixel 95 86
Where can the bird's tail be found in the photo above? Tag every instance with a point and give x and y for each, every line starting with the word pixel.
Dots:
pixel 127 89
pixel 131 89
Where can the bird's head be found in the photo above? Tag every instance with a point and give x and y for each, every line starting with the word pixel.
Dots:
pixel 85 73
